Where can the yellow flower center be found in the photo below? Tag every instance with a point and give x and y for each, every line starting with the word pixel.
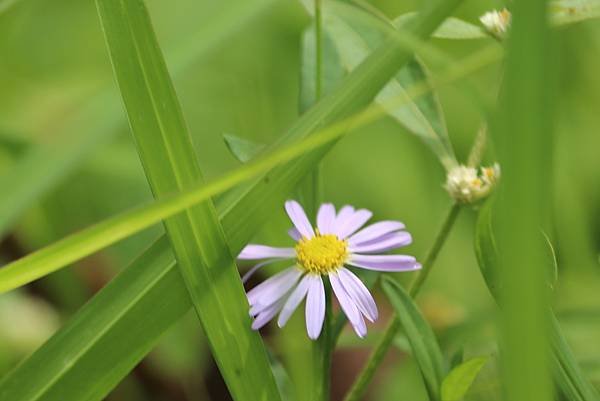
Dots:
pixel 322 253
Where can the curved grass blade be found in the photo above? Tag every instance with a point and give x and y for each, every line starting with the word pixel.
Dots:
pixel 458 382
pixel 66 357
pixel 196 236
pixel 96 122
pixel 567 374
pixel 423 343
pixel 76 246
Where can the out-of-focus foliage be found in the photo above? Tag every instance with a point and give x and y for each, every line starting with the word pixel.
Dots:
pixel 245 80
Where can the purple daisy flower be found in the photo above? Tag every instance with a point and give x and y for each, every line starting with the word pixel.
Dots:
pixel 326 250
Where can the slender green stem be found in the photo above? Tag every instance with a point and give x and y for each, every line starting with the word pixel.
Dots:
pixel 323 346
pixel 316 175
pixel 322 352
pixel 361 383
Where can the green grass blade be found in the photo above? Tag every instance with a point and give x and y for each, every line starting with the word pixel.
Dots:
pixel 458 382
pixel 567 373
pixel 196 236
pixel 96 122
pixel 425 348
pixel 107 337
pixel 94 238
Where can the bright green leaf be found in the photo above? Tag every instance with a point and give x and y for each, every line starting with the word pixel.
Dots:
pixel 460 379
pixel 196 236
pixel 425 348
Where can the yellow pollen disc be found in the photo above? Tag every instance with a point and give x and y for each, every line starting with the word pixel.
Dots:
pixel 322 253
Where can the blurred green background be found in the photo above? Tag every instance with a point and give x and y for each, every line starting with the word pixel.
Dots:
pixel 242 77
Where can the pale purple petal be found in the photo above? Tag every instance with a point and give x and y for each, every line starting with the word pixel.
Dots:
pixel 293 301
pixel 383 244
pixel 344 213
pixel 347 304
pixel 386 263
pixel 315 307
pixel 266 315
pixel 359 293
pixel 375 231
pixel 253 251
pixel 326 218
pixel 346 227
pixel 295 234
pixel 276 285
pixel 254 269
pixel 298 217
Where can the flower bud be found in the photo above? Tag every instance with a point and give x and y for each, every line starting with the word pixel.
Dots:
pixel 496 22
pixel 468 184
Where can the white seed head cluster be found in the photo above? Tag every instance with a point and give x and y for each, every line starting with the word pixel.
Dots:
pixel 469 184
pixel 496 22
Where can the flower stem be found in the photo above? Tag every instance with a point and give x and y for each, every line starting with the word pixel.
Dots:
pixel 363 380
pixel 322 350
pixel 323 346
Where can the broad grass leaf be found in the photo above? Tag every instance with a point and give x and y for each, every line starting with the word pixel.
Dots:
pixel 458 382
pixel 425 348
pixel 165 148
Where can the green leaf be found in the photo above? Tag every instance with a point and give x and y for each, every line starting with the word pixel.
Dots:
pixel 332 71
pixel 196 236
pixel 66 363
pixel 567 373
pixel 563 12
pixel 355 39
pixel 460 379
pixel 242 149
pixel 451 28
pixel 96 122
pixel 423 343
